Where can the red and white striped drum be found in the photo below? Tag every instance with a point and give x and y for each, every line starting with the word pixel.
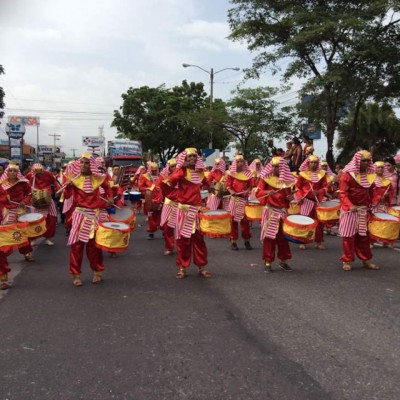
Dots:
pixel 384 227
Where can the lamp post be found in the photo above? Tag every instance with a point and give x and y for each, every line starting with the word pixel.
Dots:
pixel 211 72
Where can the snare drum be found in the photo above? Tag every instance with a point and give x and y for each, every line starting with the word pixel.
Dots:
pixel 41 198
pixel 135 196
pixel 13 235
pixel 328 211
pixel 253 210
pixel 36 224
pixel 384 227
pixel 215 223
pixel 299 228
pixel 113 236
pixel 124 215
pixel 394 210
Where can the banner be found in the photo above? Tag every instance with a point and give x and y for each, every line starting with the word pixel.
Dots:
pixel 25 120
pixel 93 141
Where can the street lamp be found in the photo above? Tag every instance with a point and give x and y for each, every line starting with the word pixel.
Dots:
pixel 211 73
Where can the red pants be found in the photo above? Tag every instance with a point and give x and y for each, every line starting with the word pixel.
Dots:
pixel 184 247
pixel 358 245
pixel 244 227
pixel 168 237
pixel 50 226
pixel 319 230
pixel 4 267
pixel 153 221
pixel 269 246
pixel 94 255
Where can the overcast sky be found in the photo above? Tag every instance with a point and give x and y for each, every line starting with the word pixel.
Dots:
pixel 69 61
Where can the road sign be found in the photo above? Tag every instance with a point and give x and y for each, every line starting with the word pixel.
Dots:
pixel 93 141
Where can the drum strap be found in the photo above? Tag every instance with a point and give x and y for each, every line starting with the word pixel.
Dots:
pixel 352 222
pixel 168 213
pixel 236 207
pixel 306 207
pixel 84 225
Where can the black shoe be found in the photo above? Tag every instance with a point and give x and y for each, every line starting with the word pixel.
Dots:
pixel 150 236
pixel 248 245
pixel 285 266
pixel 268 269
pixel 234 246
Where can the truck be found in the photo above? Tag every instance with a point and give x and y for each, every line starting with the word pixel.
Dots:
pixel 125 153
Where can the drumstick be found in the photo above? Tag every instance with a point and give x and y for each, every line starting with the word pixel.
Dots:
pixel 102 198
pixel 234 194
pixel 63 187
pixel 312 190
pixel 14 202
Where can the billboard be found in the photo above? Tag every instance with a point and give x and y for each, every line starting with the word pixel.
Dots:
pixel 124 147
pixel 93 141
pixel 25 120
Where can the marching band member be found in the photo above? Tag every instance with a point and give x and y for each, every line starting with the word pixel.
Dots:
pixel 44 180
pixel 85 188
pixel 154 197
pixel 392 174
pixel 189 178
pixel 311 187
pixel 18 193
pixel 239 183
pixel 383 192
pixel 356 186
pixel 170 207
pixel 216 180
pixel 274 191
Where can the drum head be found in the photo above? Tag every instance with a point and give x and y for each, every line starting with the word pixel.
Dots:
pixel 397 208
pixel 204 194
pixel 254 202
pixel 385 216
pixel 300 219
pixel 328 204
pixel 30 217
pixel 215 212
pixel 116 225
pixel 135 194
pixel 121 214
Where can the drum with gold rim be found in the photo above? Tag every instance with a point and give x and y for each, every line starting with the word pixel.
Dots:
pixel 36 224
pixel 253 210
pixel 394 210
pixel 384 227
pixel 13 235
pixel 299 228
pixel 125 215
pixel 215 223
pixel 113 236
pixel 328 211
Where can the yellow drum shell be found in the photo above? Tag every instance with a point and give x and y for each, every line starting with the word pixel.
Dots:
pixel 216 223
pixel 253 211
pixel 394 210
pixel 36 224
pixel 299 228
pixel 13 235
pixel 328 211
pixel 113 236
pixel 384 227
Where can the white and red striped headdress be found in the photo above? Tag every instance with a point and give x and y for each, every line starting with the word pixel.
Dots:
pixel 219 165
pixel 181 158
pixel 166 171
pixel 329 172
pixel 4 178
pixel 246 170
pixel 305 166
pixel 254 167
pixel 151 167
pixel 285 174
pixel 74 167
pixel 354 164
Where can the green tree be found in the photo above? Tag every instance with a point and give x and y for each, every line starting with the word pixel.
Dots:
pixel 345 49
pixel 254 120
pixel 378 130
pixel 2 95
pixel 169 120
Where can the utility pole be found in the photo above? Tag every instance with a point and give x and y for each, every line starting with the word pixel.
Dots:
pixel 55 137
pixel 73 152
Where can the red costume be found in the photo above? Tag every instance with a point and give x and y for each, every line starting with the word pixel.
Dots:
pixel 275 193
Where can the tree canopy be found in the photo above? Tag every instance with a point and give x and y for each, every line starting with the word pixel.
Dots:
pixel 167 121
pixel 347 50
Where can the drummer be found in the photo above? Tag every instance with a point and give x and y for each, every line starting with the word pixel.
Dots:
pixel 17 195
pixel 189 178
pixel 85 190
pixel 383 193
pixel 274 191
pixel 146 183
pixel 170 206
pixel 356 186
pixel 311 187
pixel 216 180
pixel 239 183
pixel 44 180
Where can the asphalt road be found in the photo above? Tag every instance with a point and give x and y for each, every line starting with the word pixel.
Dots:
pixel 314 333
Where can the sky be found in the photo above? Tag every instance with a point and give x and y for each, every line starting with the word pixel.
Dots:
pixel 69 61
